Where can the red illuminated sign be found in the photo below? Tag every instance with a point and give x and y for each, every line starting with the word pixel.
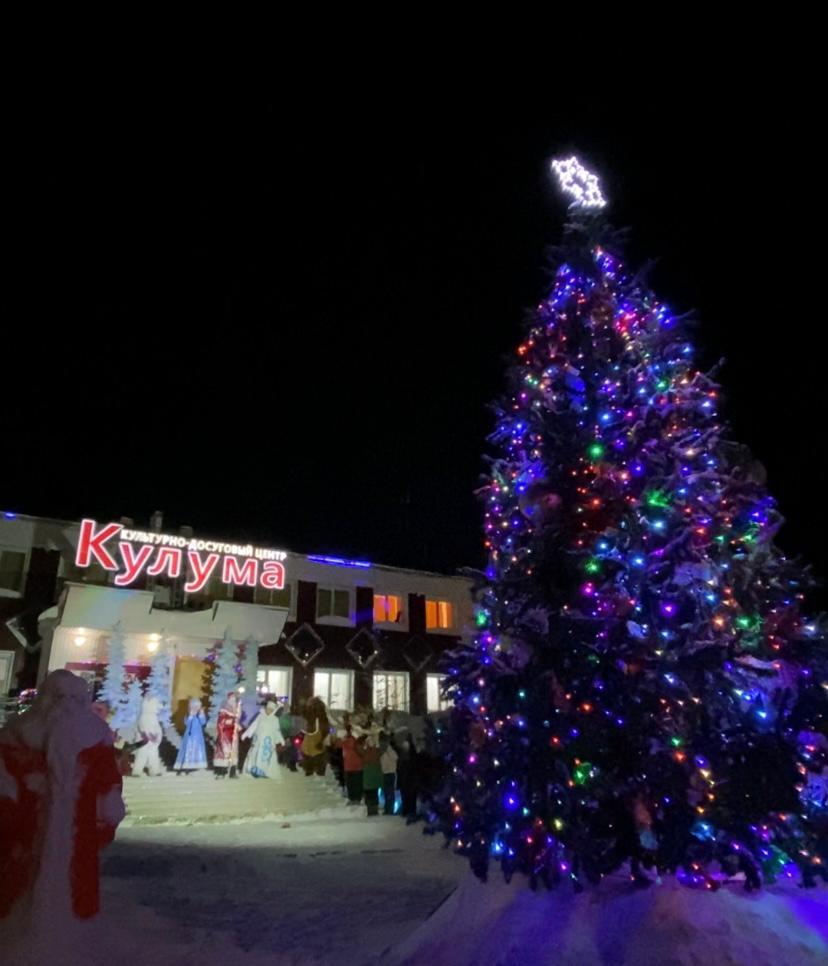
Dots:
pixel 129 553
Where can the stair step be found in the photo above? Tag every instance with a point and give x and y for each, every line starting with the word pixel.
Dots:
pixel 200 797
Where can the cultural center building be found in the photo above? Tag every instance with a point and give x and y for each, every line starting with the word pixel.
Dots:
pixel 355 633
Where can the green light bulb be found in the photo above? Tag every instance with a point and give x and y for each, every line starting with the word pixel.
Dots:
pixel 748 622
pixel 582 773
pixel 658 498
pixel 595 451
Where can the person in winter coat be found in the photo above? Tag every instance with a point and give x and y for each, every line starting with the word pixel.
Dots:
pixel 388 761
pixel 371 774
pixel 291 726
pixel 352 765
pixel 192 753
pixel 336 759
pixel 60 803
pixel 262 761
pixel 226 754
pixel 408 776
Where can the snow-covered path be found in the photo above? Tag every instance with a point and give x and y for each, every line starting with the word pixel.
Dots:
pixel 316 889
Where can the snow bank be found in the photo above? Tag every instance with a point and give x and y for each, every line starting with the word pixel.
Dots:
pixel 495 924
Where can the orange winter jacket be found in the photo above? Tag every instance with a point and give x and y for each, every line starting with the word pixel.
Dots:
pixel 351 758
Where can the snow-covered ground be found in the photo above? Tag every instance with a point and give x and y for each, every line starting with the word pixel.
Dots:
pixel 338 888
pixel 324 888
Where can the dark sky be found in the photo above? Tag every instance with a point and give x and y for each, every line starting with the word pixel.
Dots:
pixel 284 324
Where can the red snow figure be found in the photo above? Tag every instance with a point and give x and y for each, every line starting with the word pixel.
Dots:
pixel 150 732
pixel 60 803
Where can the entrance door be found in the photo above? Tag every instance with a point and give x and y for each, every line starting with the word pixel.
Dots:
pixel 189 681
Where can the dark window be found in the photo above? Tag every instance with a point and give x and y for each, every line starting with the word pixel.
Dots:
pixel 12 568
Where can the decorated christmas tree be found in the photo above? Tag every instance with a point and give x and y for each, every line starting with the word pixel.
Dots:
pixel 644 686
pixel 225 677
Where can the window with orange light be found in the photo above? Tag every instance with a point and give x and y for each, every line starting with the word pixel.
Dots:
pixel 387 608
pixel 439 615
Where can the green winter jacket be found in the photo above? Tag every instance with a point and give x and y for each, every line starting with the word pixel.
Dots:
pixel 371 769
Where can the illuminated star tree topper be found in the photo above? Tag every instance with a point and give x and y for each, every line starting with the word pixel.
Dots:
pixel 579 183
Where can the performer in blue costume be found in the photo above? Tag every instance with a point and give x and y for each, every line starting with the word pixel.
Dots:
pixel 262 761
pixel 192 754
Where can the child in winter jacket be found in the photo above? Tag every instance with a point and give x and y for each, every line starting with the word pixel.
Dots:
pixel 352 765
pixel 371 774
pixel 388 762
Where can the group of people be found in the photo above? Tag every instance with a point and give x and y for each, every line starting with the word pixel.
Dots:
pixel 370 759
pixel 373 762
pixel 138 749
pixel 263 732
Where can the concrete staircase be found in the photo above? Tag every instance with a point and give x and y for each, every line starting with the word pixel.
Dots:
pixel 201 797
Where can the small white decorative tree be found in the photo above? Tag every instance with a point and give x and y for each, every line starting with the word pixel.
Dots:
pixel 225 678
pixel 128 708
pixel 250 664
pixel 112 688
pixel 159 683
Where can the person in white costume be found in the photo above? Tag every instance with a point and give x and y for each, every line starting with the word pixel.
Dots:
pixel 261 761
pixel 150 732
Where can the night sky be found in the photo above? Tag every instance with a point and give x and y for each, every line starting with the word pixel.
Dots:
pixel 284 325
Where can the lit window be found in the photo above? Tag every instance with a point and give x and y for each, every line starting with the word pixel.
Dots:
pixel 275 680
pixel 439 615
pixel 434 699
pixel 336 688
pixel 12 568
pixel 387 608
pixel 272 598
pixel 391 690
pixel 333 603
